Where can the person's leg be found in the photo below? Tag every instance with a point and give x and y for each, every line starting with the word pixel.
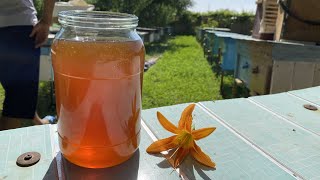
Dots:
pixel 19 107
pixel 19 104
pixel 12 123
pixel 19 77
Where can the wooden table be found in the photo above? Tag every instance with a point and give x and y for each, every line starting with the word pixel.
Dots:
pixel 262 137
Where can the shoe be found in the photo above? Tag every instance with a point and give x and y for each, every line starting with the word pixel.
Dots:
pixel 51 119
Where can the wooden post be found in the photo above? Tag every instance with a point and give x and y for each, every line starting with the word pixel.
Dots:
pixel 219 57
pixel 220 70
pixel 221 83
pixel 236 84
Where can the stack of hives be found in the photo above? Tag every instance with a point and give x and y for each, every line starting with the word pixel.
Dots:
pixel 266 17
pixel 290 20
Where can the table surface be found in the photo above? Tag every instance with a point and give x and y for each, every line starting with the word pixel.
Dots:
pixel 262 137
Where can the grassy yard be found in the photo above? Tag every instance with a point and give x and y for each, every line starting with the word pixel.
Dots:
pixel 181 75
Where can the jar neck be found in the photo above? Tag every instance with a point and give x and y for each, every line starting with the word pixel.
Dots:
pixel 91 34
pixel 97 20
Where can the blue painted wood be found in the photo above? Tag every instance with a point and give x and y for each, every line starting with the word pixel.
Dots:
pixel 310 94
pixel 229 55
pixel 233 55
pixel 227 42
pixel 291 108
pixel 234 36
pixel 252 134
pixel 294 147
pixel 243 62
pixel 234 158
pixel 140 166
pixel 219 37
pixel 15 142
pixel 216 45
pixel 45 51
pixel 44 139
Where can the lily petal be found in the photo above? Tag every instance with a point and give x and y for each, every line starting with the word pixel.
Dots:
pixel 162 145
pixel 201 157
pixel 188 124
pixel 202 133
pixel 186 118
pixel 180 155
pixel 167 124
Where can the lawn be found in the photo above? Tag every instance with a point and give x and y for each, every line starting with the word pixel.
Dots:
pixel 181 75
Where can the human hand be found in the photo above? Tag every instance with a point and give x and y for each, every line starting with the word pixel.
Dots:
pixel 40 33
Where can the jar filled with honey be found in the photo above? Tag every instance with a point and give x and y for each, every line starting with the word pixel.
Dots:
pixel 98 61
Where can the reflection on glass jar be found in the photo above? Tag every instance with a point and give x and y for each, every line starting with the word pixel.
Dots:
pixel 98 61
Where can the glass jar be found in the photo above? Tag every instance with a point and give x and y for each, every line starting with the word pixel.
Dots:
pixel 98 61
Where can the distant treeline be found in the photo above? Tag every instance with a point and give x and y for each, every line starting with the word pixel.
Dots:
pixel 160 13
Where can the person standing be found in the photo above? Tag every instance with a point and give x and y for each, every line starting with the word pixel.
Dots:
pixel 21 36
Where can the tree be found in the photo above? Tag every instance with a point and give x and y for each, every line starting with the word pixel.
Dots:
pixel 150 12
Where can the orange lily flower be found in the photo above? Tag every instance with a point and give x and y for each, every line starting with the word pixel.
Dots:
pixel 184 140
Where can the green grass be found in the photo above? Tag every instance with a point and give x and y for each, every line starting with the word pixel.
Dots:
pixel 1 96
pixel 46 101
pixel 155 49
pixel 181 75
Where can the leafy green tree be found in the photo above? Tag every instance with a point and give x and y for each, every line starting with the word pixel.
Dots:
pixel 150 12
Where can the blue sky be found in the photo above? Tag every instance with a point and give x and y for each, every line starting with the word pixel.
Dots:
pixel 237 5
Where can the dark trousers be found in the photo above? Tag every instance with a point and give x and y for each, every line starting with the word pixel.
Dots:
pixel 19 71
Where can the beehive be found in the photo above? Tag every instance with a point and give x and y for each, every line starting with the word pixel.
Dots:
pixel 266 18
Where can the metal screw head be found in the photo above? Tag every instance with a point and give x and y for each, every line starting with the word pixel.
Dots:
pixel 310 107
pixel 28 159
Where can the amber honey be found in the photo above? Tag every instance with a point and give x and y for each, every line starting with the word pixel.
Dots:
pixel 98 96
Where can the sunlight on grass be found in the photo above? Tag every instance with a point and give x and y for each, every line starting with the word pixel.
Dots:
pixel 181 75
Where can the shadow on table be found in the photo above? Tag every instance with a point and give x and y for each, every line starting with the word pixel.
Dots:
pixel 61 168
pixel 188 167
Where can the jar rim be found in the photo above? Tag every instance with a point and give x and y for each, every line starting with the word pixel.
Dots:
pixel 97 19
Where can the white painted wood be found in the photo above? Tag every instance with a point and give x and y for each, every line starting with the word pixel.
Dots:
pixel 282 73
pixel 303 75
pixel 46 73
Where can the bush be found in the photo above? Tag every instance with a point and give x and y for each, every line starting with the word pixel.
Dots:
pixel 188 22
pixel 38 4
pixel 209 23
pixel 151 13
pixel 185 24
